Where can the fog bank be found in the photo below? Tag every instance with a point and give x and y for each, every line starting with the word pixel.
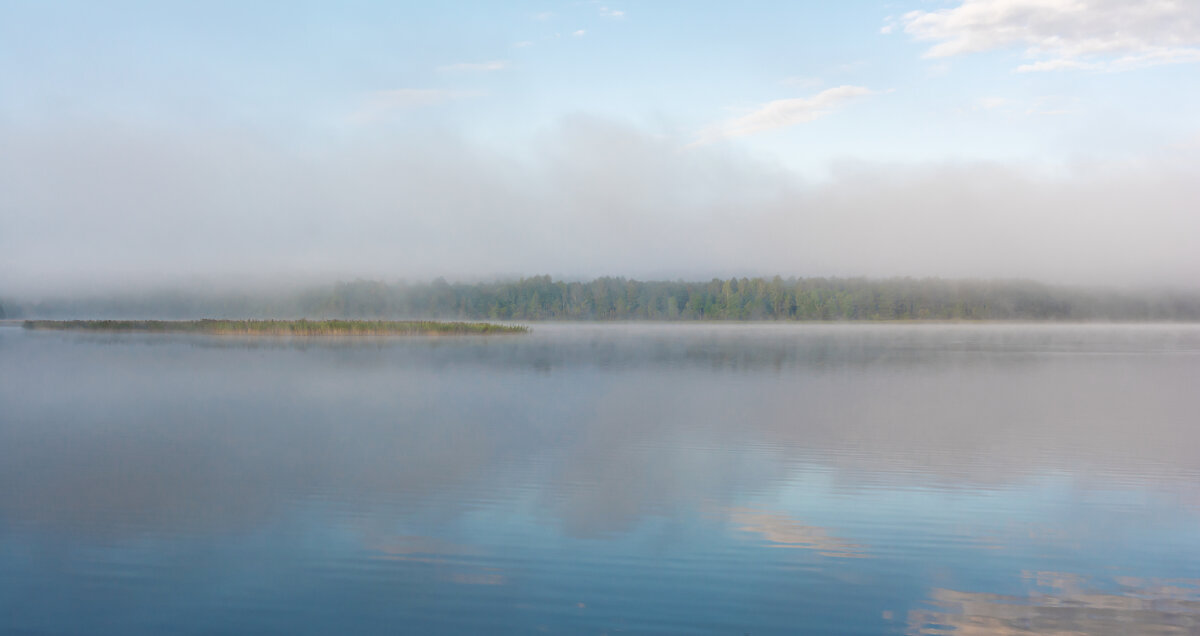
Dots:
pixel 98 208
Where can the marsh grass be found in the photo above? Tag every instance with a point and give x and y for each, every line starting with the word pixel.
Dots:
pixel 284 327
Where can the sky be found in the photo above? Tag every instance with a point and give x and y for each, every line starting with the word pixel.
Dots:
pixel 239 143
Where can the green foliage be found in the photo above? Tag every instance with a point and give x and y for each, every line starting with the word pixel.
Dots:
pixel 808 299
pixel 541 298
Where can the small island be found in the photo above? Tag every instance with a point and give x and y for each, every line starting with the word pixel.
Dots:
pixel 284 327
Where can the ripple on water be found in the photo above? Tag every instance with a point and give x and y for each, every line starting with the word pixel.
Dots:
pixel 765 479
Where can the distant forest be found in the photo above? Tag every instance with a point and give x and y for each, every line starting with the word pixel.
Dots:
pixel 541 298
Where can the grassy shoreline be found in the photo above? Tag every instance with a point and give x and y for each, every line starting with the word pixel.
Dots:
pixel 283 327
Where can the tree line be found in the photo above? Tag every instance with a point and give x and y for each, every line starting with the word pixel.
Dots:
pixel 616 298
pixel 810 299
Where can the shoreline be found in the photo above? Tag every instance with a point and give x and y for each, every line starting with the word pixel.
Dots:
pixel 280 327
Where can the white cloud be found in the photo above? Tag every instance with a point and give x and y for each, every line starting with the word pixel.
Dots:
pixel 611 13
pixel 492 65
pixel 1108 35
pixel 1061 64
pixel 580 33
pixel 543 16
pixel 379 103
pixel 781 113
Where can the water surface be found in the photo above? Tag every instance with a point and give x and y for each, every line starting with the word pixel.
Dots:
pixel 591 479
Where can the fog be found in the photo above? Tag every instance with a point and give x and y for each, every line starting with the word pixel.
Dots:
pixel 614 423
pixel 96 206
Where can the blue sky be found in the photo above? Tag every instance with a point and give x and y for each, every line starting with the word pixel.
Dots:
pixel 757 111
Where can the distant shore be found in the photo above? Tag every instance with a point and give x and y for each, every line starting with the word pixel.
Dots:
pixel 541 298
pixel 283 327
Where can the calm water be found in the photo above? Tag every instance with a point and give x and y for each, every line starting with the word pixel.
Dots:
pixel 732 479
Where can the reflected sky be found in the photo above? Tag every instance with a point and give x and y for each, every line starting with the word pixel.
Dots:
pixel 1065 603
pixel 595 478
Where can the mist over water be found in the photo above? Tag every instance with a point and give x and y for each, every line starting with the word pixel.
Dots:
pixel 810 235
pixel 591 478
pixel 110 208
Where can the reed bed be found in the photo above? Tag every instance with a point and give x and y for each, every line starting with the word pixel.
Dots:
pixel 284 327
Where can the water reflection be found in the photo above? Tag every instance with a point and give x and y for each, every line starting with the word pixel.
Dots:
pixel 447 557
pixel 191 437
pixel 670 479
pixel 782 531
pixel 1066 604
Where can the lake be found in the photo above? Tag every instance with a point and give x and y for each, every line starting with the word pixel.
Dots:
pixel 603 479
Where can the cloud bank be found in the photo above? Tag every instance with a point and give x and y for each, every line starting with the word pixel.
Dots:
pixel 782 113
pixel 1106 35
pixel 96 207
